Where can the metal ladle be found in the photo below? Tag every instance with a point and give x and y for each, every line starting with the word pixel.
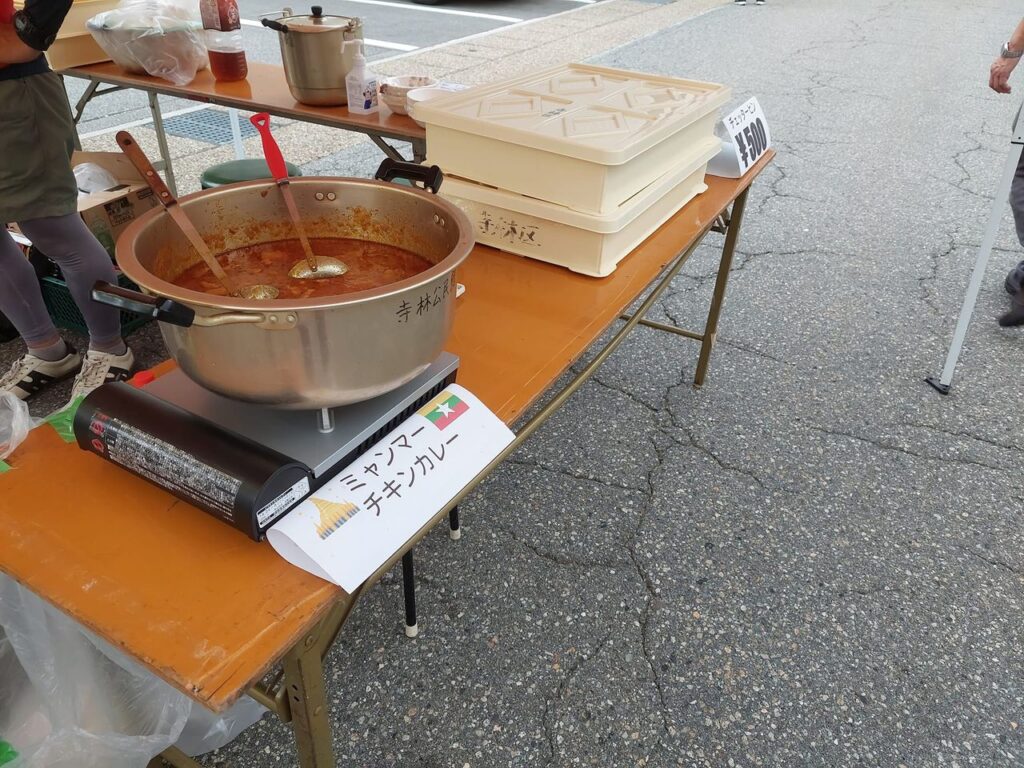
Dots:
pixel 314 267
pixel 138 158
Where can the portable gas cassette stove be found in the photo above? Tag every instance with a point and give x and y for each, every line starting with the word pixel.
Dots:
pixel 245 464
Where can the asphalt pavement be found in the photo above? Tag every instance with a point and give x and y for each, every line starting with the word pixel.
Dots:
pixel 815 560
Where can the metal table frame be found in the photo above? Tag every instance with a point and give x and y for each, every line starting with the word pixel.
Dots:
pixel 153 91
pixel 297 692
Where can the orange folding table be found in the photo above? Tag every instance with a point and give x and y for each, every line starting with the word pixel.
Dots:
pixel 212 612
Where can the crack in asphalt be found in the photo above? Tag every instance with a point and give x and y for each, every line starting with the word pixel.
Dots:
pixel 741 264
pixel 634 560
pixel 560 691
pixel 536 464
pixel 958 161
pixel 969 435
pixel 958 188
pixel 906 451
pixel 1001 564
pixel 692 442
pixel 627 394
pixel 561 558
pixel 651 592
pixel 756 351
pixel 925 283
pixel 774 192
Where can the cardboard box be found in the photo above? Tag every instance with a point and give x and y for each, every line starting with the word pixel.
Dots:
pixel 75 46
pixel 108 213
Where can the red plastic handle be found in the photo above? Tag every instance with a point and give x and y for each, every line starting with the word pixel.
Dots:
pixel 271 152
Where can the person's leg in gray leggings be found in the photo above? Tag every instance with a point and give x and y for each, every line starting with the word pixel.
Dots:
pixel 69 243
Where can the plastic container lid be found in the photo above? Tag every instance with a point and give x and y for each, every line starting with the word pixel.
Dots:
pixel 601 115
pixel 603 223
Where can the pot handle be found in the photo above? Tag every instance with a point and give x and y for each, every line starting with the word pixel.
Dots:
pixel 390 170
pixel 165 310
pixel 176 313
pixel 274 25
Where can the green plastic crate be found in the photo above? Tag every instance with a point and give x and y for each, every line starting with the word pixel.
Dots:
pixel 65 313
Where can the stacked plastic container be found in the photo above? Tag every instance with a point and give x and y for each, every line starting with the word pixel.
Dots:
pixel 574 165
pixel 75 46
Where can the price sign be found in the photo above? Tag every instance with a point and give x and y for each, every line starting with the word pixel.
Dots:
pixel 748 128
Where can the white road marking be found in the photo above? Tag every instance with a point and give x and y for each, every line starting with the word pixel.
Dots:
pixel 434 9
pixel 144 121
pixel 369 41
pixel 487 33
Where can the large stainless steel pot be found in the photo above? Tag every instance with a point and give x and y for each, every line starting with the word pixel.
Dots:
pixel 316 59
pixel 301 353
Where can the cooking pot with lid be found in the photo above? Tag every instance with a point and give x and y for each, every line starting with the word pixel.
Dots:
pixel 313 51
pixel 309 353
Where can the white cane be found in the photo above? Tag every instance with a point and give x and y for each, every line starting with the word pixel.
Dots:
pixel 995 216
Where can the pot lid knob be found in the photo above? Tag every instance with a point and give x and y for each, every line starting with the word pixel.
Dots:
pixel 318 11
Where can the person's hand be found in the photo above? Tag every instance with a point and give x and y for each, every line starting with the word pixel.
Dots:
pixel 999 75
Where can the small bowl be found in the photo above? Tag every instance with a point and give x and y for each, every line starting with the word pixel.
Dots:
pixel 393 90
pixel 419 95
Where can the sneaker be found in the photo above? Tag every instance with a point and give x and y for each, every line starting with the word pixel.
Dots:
pixel 740 2
pixel 102 368
pixel 1014 279
pixel 32 374
pixel 759 2
pixel 1015 316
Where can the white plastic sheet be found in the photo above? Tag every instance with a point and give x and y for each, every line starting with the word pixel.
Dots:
pixel 70 700
pixel 15 422
pixel 93 178
pixel 162 38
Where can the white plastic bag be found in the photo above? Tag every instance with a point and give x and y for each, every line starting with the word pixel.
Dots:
pixel 206 731
pixel 93 178
pixel 82 704
pixel 21 721
pixel 15 422
pixel 163 38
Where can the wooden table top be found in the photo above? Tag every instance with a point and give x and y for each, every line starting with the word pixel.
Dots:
pixel 206 608
pixel 264 90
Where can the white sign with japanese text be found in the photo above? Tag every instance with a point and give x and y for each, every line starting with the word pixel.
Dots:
pixel 352 525
pixel 748 129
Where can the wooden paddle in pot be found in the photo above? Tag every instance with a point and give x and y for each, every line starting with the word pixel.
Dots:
pixel 138 158
pixel 313 267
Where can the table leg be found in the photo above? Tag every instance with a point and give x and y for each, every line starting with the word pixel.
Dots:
pixel 409 588
pixel 79 108
pixel 728 250
pixel 161 140
pixel 304 688
pixel 387 149
pixel 419 150
pixel 174 757
pixel 454 529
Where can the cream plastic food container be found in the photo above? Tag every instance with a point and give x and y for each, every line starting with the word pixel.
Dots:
pixel 592 244
pixel 587 138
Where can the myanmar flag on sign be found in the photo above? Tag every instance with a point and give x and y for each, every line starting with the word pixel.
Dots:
pixel 444 409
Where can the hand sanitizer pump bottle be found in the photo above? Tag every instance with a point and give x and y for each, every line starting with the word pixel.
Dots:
pixel 361 84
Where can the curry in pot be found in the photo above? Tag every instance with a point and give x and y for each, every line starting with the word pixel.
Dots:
pixel 370 265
